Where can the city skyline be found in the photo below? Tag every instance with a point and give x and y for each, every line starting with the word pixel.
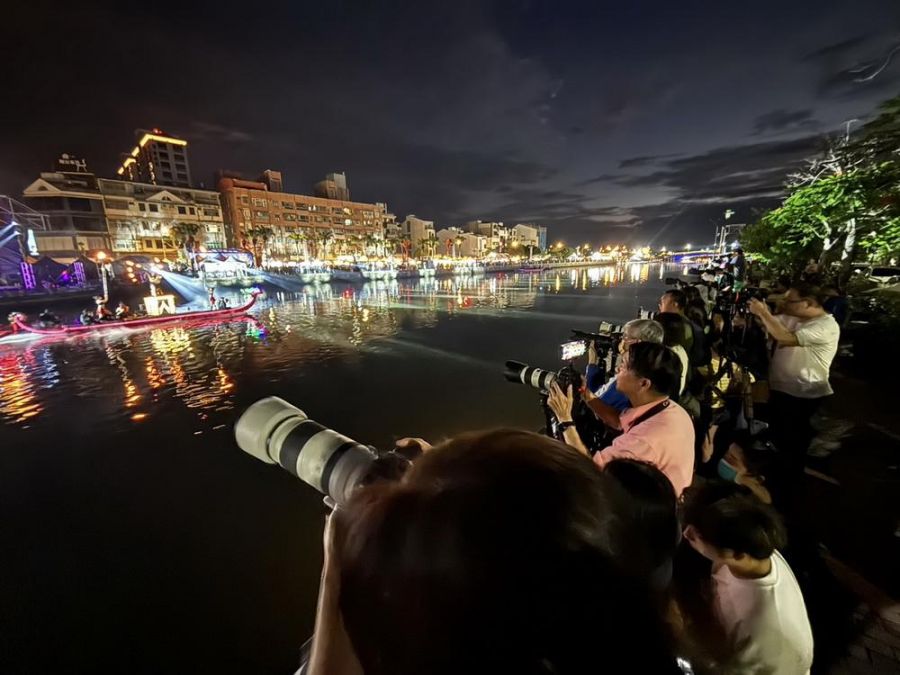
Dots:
pixel 640 125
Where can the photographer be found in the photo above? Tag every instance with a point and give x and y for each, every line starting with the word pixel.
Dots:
pixel 497 552
pixel 655 429
pixel 674 301
pixel 633 332
pixel 806 341
pixel 738 265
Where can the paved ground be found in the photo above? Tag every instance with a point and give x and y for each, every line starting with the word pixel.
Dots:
pixel 846 542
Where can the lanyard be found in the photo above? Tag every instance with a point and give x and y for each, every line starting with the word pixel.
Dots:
pixel 655 410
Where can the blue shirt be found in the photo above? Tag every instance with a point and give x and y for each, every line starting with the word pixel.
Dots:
pixel 608 393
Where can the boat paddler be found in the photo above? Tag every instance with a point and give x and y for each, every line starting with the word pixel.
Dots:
pixel 103 314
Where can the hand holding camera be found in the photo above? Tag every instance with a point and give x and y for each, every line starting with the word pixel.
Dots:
pixel 561 403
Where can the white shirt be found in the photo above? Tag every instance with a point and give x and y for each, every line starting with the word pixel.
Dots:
pixel 802 371
pixel 683 357
pixel 765 621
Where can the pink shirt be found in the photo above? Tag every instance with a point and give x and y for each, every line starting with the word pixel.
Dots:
pixel 665 440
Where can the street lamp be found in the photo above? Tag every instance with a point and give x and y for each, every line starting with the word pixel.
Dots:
pixel 101 256
pixel 687 246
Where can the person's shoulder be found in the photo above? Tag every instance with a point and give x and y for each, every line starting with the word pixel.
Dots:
pixel 677 411
pixel 826 324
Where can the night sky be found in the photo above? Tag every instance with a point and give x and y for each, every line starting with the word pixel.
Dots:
pixel 632 121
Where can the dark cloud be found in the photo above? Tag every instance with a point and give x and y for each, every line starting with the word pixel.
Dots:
pixel 730 172
pixel 834 49
pixel 206 131
pixel 784 121
pixel 588 118
pixel 646 160
pixel 857 67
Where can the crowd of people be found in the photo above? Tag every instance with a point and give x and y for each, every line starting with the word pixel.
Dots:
pixel 512 552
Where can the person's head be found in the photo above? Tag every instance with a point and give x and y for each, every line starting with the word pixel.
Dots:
pixel 121 303
pixel 673 300
pixel 674 333
pixel 696 312
pixel 654 508
pixel 739 252
pixel 726 524
pixel 640 330
pixel 647 371
pixel 803 300
pixel 500 551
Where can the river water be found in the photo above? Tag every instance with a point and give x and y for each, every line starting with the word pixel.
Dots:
pixel 136 536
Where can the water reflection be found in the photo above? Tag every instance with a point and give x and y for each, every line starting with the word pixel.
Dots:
pixel 133 377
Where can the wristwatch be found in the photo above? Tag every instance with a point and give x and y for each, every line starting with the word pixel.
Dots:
pixel 562 426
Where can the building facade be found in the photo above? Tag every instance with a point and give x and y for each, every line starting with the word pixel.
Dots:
pixel 155 220
pixel 293 225
pixel 498 235
pixel 87 214
pixel 333 187
pixel 76 217
pixel 157 159
pixel 417 231
pixel 455 241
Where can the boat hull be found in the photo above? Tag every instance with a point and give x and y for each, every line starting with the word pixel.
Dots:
pixel 139 323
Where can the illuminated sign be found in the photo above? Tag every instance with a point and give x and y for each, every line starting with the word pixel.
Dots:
pixel 71 163
pixel 32 243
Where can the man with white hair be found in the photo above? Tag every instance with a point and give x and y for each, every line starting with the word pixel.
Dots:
pixel 638 330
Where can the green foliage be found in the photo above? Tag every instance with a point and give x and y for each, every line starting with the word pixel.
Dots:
pixel 836 215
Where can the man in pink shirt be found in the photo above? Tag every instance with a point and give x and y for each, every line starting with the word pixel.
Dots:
pixel 655 429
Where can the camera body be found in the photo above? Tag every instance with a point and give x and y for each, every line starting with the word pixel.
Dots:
pixel 737 303
pixel 606 338
pixel 592 431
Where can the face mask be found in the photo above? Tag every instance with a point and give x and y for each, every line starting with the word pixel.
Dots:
pixel 726 471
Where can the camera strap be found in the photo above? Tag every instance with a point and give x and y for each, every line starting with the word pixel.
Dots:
pixel 655 410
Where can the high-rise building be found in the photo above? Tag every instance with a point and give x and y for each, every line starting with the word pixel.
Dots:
pixel 293 222
pixel 333 187
pixel 157 159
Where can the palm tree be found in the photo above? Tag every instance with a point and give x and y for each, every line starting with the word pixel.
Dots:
pixel 185 237
pixel 259 236
pixel 405 246
pixel 299 237
pixel 324 237
pixel 430 244
pixel 370 241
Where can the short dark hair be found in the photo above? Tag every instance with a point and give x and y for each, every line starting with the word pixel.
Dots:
pixel 676 330
pixel 657 363
pixel 728 516
pixel 500 551
pixel 654 505
pixel 809 292
pixel 678 297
